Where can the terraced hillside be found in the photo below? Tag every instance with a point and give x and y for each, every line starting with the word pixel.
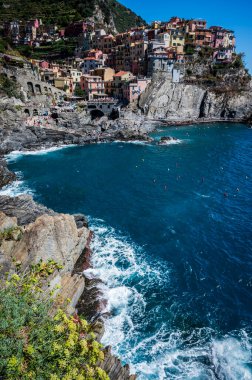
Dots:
pixel 62 12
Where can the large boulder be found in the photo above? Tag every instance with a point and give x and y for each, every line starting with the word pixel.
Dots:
pixel 51 237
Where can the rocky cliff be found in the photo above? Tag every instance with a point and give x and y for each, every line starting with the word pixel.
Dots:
pixel 68 128
pixel 193 101
pixel 29 233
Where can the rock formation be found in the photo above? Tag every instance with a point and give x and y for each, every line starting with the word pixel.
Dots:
pixel 185 102
pixel 64 239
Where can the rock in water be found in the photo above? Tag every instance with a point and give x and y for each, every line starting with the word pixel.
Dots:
pixel 166 139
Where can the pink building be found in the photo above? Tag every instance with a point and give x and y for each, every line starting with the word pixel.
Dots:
pixel 92 85
pixel 173 22
pixel 44 65
pixel 222 38
pixel 218 35
pixel 132 90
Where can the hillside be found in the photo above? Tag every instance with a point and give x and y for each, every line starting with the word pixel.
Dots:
pixel 108 12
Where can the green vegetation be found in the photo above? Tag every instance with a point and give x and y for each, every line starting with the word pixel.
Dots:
pixel 123 17
pixel 38 340
pixel 205 53
pixel 64 12
pixel 189 49
pixel 3 45
pixel 238 62
pixel 12 233
pixel 52 51
pixel 8 87
pixel 79 92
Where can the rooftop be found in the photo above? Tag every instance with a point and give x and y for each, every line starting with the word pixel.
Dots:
pixel 121 73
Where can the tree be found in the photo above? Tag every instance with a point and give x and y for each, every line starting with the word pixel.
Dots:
pixel 79 92
pixel 238 62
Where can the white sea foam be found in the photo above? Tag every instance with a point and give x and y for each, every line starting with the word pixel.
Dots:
pixel 136 142
pixel 171 142
pixel 165 354
pixel 117 261
pixel 232 357
pixel 15 155
pixel 16 188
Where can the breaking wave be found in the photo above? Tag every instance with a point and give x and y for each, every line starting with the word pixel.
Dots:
pixel 171 142
pixel 167 353
pixel 136 142
pixel 16 187
pixel 16 155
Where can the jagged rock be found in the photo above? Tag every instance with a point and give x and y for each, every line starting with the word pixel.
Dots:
pixel 180 102
pixel 23 208
pixel 51 237
pixel 80 220
pixel 6 176
pixel 7 222
pixel 92 303
pixel 165 139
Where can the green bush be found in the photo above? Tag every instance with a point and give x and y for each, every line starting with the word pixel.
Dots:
pixel 12 233
pixel 37 338
pixel 238 62
pixel 8 86
pixel 79 92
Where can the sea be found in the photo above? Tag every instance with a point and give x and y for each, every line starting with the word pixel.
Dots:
pixel 172 243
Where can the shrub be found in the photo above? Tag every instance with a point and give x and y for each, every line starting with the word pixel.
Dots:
pixel 37 339
pixel 8 86
pixel 12 233
pixel 238 62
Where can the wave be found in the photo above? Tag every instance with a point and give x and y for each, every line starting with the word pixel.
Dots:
pixel 130 279
pixel 136 142
pixel 124 271
pixel 17 187
pixel 171 142
pixel 17 154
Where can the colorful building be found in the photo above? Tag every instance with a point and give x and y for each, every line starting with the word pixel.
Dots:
pixel 93 86
pixel 133 90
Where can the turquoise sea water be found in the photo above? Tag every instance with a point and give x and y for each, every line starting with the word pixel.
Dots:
pixel 173 244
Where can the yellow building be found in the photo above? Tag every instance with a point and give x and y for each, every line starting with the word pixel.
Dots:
pixel 106 73
pixel 177 39
pixel 64 84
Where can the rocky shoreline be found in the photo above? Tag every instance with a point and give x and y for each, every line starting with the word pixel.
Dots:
pixel 85 294
pixel 50 235
pixel 65 238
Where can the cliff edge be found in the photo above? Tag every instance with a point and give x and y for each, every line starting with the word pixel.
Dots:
pixel 193 100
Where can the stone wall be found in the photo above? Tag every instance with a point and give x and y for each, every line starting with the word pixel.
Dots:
pixel 32 87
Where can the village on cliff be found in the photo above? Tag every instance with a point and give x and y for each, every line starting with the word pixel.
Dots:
pixel 108 70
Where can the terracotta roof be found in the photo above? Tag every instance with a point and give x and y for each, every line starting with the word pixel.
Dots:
pixel 90 59
pixel 120 73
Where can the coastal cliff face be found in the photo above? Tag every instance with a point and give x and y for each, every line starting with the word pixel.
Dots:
pixel 54 237
pixel 29 233
pixel 181 102
pixel 71 128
